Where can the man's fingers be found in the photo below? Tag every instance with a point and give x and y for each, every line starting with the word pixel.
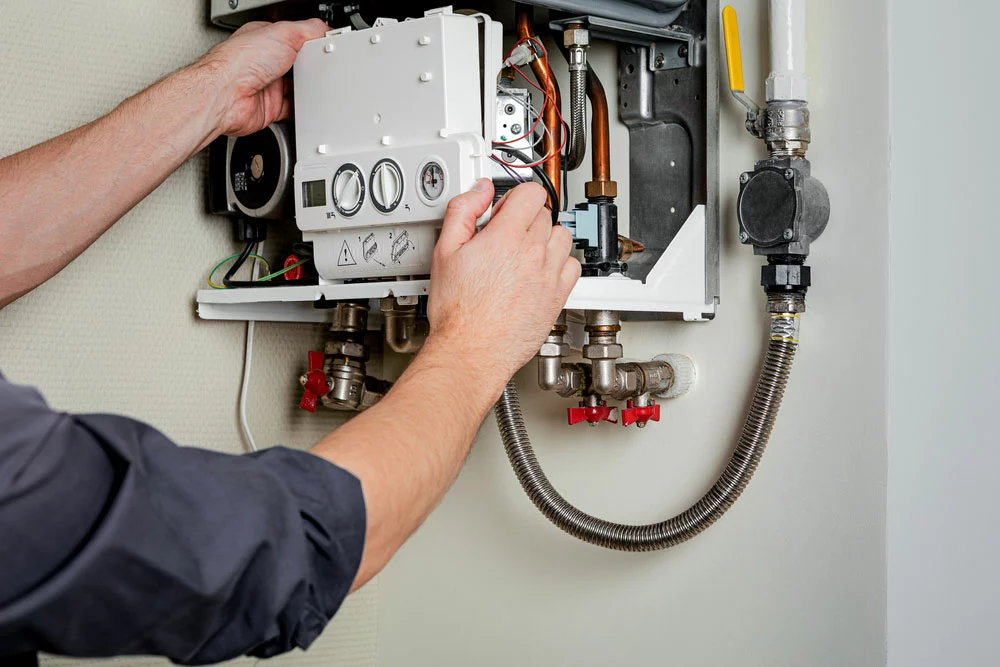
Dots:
pixel 569 276
pixel 297 33
pixel 541 227
pixel 463 212
pixel 286 109
pixel 560 245
pixel 521 207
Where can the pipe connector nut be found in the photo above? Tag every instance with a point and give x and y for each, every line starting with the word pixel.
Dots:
pixel 595 189
pixel 786 304
pixel 554 350
pixel 576 37
pixel 603 351
pixel 343 348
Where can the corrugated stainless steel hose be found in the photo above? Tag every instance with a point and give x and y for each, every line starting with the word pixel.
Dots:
pixel 578 119
pixel 704 513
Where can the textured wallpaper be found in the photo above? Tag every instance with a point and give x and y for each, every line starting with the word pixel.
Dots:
pixel 117 331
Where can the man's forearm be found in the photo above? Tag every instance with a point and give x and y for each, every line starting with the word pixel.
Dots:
pixel 408 449
pixel 59 197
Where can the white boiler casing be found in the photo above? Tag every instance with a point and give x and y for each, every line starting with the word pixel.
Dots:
pixel 389 127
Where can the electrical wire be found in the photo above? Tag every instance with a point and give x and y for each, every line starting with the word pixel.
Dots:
pixel 211 276
pixel 542 176
pixel 257 282
pixel 538 45
pixel 247 367
pixel 263 282
pixel 245 388
pixel 237 265
pixel 283 271
pixel 510 172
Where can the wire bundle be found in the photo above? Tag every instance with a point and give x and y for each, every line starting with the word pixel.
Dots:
pixel 241 259
pixel 526 160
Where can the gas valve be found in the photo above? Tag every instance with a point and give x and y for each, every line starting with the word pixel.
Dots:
pixel 315 382
pixel 640 415
pixel 593 414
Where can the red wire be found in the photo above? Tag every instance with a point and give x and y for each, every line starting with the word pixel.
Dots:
pixel 548 100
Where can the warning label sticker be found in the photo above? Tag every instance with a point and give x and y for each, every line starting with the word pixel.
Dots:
pixel 346 257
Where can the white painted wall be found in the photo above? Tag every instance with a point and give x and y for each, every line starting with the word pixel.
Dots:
pixel 943 541
pixel 795 575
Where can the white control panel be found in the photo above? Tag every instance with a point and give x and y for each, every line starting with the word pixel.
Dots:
pixel 389 127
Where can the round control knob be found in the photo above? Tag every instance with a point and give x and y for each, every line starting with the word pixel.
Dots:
pixel 348 190
pixel 432 181
pixel 387 186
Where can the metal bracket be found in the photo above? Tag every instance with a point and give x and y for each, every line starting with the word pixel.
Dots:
pixel 668 48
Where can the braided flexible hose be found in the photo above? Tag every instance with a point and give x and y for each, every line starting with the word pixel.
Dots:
pixel 578 119
pixel 704 513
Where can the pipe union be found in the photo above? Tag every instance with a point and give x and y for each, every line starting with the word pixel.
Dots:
pixel 554 350
pixel 603 351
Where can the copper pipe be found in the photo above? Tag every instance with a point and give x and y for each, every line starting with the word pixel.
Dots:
pixel 547 81
pixel 600 127
pixel 601 184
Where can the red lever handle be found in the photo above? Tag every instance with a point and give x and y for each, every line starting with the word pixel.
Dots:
pixel 641 415
pixel 316 383
pixel 591 415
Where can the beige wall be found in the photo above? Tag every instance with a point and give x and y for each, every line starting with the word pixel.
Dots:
pixel 793 576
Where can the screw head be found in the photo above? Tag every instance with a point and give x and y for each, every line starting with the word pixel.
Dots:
pixel 788 235
pixel 744 178
pixel 233 4
pixel 516 129
pixel 790 174
pixel 744 237
pixel 682 51
pixel 659 62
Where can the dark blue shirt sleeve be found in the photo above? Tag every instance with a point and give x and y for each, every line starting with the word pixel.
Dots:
pixel 114 541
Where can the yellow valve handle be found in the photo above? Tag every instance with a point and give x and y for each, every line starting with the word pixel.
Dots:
pixel 734 58
pixel 734 54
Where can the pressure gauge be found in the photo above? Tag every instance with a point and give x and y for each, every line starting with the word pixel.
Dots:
pixel 433 182
pixel 348 190
pixel 386 186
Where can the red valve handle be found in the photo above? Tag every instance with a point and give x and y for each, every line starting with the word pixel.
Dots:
pixel 641 415
pixel 591 415
pixel 316 383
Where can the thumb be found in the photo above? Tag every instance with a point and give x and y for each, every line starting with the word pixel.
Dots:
pixel 463 211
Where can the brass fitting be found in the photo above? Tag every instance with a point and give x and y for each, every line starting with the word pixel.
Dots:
pixel 595 189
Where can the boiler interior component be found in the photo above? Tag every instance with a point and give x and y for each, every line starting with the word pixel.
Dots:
pixel 252 175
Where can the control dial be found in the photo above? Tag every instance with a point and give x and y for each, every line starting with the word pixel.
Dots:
pixel 348 190
pixel 387 186
pixel 432 181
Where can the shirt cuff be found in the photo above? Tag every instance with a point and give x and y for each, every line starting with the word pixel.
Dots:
pixel 334 518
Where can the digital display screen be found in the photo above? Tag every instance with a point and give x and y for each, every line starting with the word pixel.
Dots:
pixel 313 194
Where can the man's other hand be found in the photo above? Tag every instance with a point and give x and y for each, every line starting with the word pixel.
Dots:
pixel 495 295
pixel 249 69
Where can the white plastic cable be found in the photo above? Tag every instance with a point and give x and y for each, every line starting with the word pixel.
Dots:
pixel 247 368
pixel 245 389
pixel 788 79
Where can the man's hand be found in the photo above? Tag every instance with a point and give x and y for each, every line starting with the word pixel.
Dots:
pixel 250 69
pixel 495 295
